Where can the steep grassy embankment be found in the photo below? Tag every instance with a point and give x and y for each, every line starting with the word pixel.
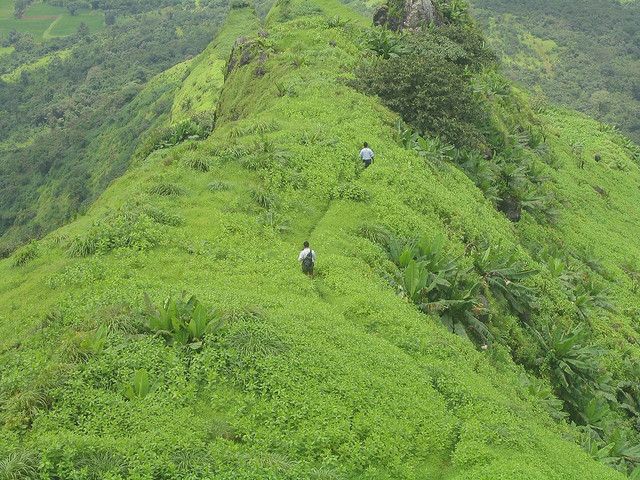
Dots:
pixel 336 378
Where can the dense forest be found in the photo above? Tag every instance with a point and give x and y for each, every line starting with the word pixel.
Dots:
pixel 585 55
pixel 67 109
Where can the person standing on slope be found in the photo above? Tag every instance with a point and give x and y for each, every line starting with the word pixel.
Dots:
pixel 308 259
pixel 366 154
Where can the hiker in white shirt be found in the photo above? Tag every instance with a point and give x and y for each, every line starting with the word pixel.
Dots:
pixel 308 259
pixel 366 154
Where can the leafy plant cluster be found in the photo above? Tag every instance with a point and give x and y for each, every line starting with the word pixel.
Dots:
pixel 183 321
pixel 25 254
pixel 513 180
pixel 577 272
pixel 198 127
pixel 438 282
pixel 455 11
pixel 467 292
pixel 139 227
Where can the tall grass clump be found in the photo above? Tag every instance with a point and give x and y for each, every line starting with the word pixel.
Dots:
pixel 25 254
pixel 166 189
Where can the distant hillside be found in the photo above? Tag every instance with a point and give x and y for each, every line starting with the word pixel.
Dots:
pixel 584 55
pixel 73 110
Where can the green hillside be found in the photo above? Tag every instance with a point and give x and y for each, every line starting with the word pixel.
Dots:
pixel 438 340
pixel 584 55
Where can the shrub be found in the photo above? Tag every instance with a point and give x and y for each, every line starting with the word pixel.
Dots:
pixel 352 191
pixel 161 216
pixel 6 249
pixel 429 92
pixel 237 4
pixel 128 228
pixel 197 127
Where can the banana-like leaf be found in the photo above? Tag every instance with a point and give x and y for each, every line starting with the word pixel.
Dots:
pixel 141 383
pixel 140 386
pixel 198 323
pixel 415 278
pixel 405 257
pixel 181 337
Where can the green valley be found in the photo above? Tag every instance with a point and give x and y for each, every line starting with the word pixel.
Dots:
pixel 474 312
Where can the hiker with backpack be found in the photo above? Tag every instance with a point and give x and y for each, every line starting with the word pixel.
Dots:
pixel 366 154
pixel 308 259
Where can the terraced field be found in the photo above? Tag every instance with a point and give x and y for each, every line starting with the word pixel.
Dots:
pixel 46 21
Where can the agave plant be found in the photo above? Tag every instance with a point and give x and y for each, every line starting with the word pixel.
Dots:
pixel 543 393
pixel 483 172
pixel 405 137
pixel 94 343
pixel 588 296
pixel 454 10
pixel 433 280
pixel 460 306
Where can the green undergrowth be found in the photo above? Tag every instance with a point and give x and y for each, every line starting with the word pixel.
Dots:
pixel 343 377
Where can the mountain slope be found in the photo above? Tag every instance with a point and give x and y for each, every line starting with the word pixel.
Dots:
pixel 580 54
pixel 336 378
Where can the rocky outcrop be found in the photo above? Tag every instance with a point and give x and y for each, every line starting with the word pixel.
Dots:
pixel 246 51
pixel 401 15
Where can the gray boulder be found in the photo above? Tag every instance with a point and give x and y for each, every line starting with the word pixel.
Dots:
pixel 401 15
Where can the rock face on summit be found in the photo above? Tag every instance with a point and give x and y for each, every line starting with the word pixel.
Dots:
pixel 400 15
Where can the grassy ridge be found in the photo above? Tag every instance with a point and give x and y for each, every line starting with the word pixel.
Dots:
pixel 339 378
pixel 201 89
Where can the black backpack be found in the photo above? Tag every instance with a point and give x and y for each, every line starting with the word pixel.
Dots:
pixel 308 260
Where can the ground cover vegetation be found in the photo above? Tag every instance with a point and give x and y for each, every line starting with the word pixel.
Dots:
pixel 461 324
pixel 582 55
